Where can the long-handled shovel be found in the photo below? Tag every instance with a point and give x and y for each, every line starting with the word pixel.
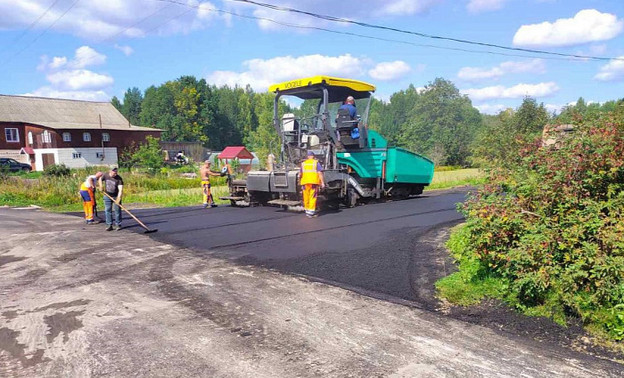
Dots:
pixel 147 229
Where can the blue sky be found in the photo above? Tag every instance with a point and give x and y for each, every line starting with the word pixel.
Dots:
pixel 96 49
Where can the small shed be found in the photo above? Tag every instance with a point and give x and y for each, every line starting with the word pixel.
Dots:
pixel 239 153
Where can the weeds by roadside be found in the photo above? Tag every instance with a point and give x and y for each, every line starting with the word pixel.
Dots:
pixel 546 234
pixel 166 188
pixel 445 178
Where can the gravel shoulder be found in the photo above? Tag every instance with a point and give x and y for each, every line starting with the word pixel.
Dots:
pixel 80 302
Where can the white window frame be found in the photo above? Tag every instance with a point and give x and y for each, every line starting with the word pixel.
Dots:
pixel 66 137
pixel 7 132
pixel 77 155
pixel 45 137
pixel 86 137
pixel 30 138
pixel 105 137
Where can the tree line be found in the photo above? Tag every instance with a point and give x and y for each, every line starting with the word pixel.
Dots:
pixel 437 121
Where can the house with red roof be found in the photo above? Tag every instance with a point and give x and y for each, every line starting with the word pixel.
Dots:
pixel 45 131
pixel 240 153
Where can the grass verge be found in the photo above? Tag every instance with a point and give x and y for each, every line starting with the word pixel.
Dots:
pixel 448 179
pixel 60 194
pixel 469 286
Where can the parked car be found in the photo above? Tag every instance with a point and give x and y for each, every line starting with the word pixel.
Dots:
pixel 12 165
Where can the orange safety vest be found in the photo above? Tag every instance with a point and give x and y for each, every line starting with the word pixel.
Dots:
pixel 309 173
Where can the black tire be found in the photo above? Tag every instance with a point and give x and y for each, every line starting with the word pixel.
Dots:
pixel 417 190
pixel 352 197
pixel 259 198
pixel 26 169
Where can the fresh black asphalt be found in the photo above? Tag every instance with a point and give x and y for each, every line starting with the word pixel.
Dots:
pixel 377 248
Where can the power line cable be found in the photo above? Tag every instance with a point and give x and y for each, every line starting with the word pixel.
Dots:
pixel 32 25
pixel 420 34
pixel 42 33
pixel 298 26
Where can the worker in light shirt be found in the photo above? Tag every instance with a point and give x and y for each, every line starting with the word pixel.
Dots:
pixel 311 181
pixel 87 193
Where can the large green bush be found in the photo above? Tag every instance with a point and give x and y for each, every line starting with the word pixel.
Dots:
pixel 552 227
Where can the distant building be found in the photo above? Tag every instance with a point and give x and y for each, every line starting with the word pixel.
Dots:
pixel 46 131
pixel 240 153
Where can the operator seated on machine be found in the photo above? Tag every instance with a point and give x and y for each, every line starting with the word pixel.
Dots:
pixel 349 105
pixel 347 122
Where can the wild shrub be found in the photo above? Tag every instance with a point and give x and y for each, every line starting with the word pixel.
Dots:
pixel 552 226
pixel 56 170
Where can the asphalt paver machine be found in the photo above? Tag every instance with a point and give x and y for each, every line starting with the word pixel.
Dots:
pixel 358 164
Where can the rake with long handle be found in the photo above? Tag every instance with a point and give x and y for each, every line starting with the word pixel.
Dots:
pixel 147 229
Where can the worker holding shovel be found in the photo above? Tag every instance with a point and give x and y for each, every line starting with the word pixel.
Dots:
pixel 112 185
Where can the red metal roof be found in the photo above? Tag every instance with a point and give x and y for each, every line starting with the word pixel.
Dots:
pixel 28 150
pixel 232 152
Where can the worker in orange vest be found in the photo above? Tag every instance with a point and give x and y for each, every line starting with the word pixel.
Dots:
pixel 311 178
pixel 87 192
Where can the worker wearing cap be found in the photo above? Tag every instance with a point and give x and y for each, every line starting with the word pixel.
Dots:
pixel 311 177
pixel 112 185
pixel 349 104
pixel 87 192
pixel 205 174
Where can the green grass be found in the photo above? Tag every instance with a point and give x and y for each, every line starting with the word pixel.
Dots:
pixel 166 188
pixel 448 179
pixel 467 286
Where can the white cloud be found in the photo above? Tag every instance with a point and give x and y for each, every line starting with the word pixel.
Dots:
pixel 68 78
pixel 84 56
pixel 261 73
pixel 101 19
pixel 58 62
pixel 72 95
pixel 79 79
pixel 612 71
pixel 517 91
pixel 478 6
pixel 491 108
pixel 536 66
pixel 127 50
pixel 388 71
pixel 588 25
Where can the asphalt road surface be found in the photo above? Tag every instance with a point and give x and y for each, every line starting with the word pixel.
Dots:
pixel 76 300
pixel 378 248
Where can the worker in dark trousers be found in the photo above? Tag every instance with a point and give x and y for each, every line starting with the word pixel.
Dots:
pixel 112 184
pixel 311 180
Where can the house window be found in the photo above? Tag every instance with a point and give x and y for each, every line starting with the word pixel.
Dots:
pixel 77 155
pixel 30 138
pixel 86 137
pixel 46 137
pixel 99 155
pixel 11 134
pixel 66 137
pixel 105 137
